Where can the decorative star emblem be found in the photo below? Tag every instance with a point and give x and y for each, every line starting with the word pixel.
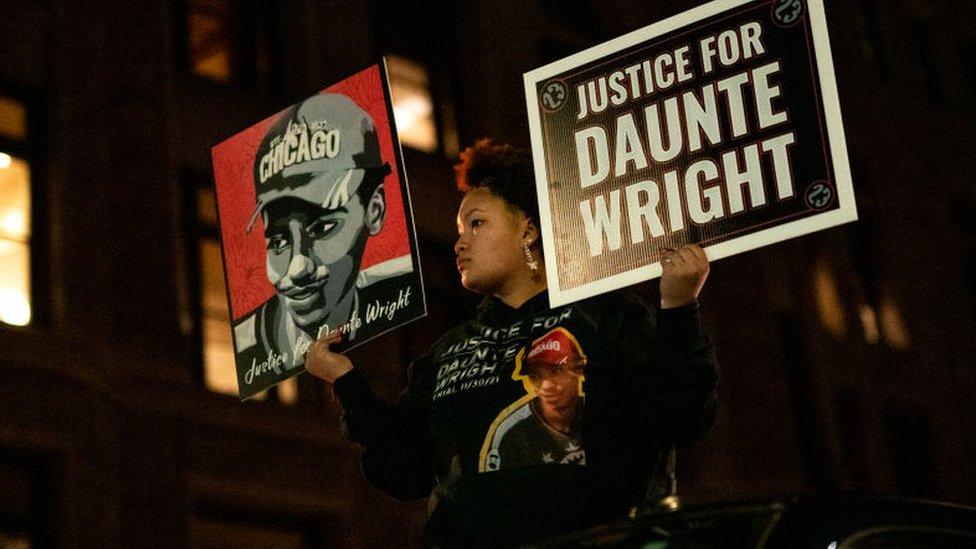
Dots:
pixel 576 459
pixel 547 457
pixel 572 446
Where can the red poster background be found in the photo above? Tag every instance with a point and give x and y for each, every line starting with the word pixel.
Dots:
pixel 233 163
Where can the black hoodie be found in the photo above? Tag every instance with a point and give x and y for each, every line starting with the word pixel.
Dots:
pixel 469 432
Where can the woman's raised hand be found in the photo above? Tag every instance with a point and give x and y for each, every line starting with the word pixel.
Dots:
pixel 323 363
pixel 685 270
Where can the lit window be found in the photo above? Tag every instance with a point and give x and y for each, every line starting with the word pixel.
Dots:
pixel 412 103
pixel 218 351
pixel 232 42
pixel 892 326
pixel 219 370
pixel 15 223
pixel 209 37
pixel 13 119
pixel 828 300
pixel 869 323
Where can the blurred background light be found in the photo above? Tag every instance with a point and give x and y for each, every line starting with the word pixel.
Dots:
pixel 15 304
pixel 413 106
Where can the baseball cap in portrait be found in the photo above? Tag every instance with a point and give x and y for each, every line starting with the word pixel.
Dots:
pixel 317 151
pixel 556 347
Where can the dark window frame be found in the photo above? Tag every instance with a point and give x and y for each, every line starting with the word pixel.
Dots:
pixel 193 232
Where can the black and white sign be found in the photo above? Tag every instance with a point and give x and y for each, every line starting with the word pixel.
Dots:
pixel 719 126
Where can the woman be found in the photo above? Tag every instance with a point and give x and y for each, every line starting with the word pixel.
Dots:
pixel 528 421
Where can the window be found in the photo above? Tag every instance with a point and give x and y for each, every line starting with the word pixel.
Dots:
pixel 209 39
pixel 13 119
pixel 419 68
pixel 877 306
pixel 26 505
pixel 412 103
pixel 893 328
pixel 869 323
pixel 229 42
pixel 213 332
pixel 15 506
pixel 15 214
pixel 829 304
pixel 218 352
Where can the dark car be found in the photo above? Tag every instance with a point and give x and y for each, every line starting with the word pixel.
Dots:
pixel 825 522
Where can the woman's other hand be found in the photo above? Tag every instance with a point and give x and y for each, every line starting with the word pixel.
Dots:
pixel 323 363
pixel 685 270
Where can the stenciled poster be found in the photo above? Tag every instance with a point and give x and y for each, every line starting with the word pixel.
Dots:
pixel 316 229
pixel 718 126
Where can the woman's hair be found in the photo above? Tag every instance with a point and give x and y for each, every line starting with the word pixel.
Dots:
pixel 502 169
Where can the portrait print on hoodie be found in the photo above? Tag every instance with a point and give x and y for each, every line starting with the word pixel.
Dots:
pixel 542 427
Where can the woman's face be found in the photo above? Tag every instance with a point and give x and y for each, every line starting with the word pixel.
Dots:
pixel 489 245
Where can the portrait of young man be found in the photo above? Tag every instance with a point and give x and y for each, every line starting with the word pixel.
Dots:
pixel 319 181
pixel 542 427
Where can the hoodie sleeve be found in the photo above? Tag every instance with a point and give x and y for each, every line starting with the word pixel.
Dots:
pixel 670 371
pixel 396 447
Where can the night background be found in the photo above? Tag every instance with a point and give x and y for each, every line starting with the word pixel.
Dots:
pixel 847 356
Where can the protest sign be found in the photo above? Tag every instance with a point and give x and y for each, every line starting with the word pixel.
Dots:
pixel 316 229
pixel 719 126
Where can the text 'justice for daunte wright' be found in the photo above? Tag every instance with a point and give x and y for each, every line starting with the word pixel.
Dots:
pixel 708 188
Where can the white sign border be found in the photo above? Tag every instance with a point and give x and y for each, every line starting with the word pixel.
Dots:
pixel 835 135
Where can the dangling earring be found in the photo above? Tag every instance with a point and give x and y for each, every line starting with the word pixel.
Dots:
pixel 529 259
